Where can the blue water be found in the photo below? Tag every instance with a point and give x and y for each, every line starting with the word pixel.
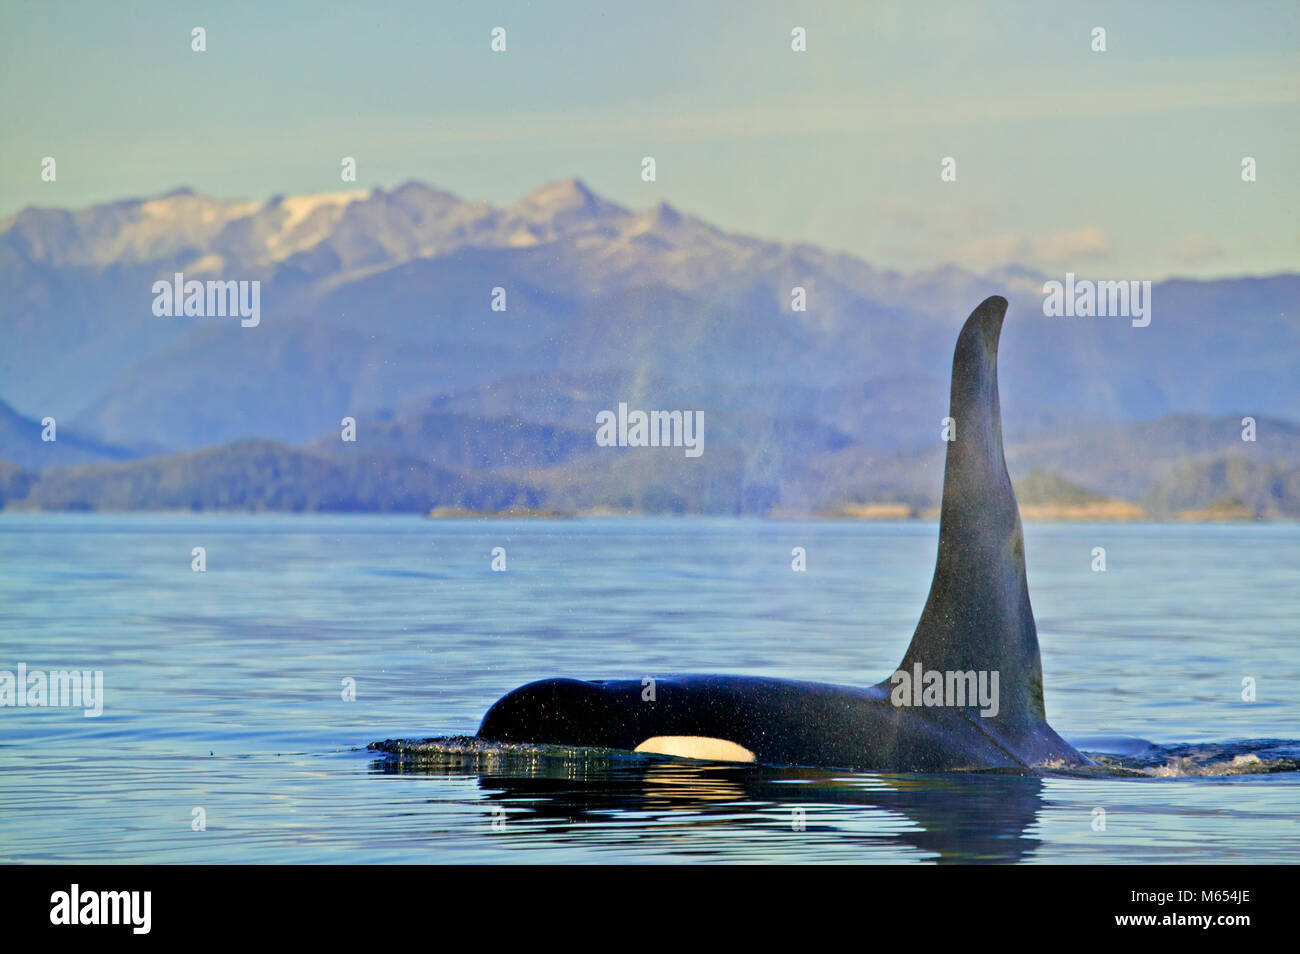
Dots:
pixel 223 689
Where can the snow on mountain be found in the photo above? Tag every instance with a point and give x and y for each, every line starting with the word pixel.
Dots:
pixel 559 209
pixel 127 232
pixel 348 231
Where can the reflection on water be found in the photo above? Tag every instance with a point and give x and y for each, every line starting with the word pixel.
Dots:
pixel 966 818
pixel 561 796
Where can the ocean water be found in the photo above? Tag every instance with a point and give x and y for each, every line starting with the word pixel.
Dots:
pixel 223 690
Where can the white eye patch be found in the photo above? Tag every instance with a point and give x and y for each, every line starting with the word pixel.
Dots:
pixel 696 747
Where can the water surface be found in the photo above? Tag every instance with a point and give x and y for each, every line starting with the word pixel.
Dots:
pixel 224 689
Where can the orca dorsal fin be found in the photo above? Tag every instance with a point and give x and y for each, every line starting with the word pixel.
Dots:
pixel 977 616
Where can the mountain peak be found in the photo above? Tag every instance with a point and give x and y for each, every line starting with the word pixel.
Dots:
pixel 664 214
pixel 569 200
pixel 418 187
pixel 572 189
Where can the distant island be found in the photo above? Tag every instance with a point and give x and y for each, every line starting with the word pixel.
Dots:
pixel 457 466
pixel 515 513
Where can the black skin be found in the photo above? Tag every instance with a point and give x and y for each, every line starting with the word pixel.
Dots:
pixel 977 618
pixel 781 721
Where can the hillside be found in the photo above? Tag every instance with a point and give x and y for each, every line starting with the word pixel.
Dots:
pixel 21 444
pixel 449 460
pixel 263 476
pixel 1231 487
pixel 1044 496
pixel 376 299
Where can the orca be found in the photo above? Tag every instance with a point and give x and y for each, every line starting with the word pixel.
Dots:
pixel 976 620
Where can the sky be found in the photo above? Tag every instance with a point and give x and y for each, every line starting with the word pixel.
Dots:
pixel 1124 164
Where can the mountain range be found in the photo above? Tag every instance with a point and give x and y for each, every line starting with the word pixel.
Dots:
pixel 379 305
